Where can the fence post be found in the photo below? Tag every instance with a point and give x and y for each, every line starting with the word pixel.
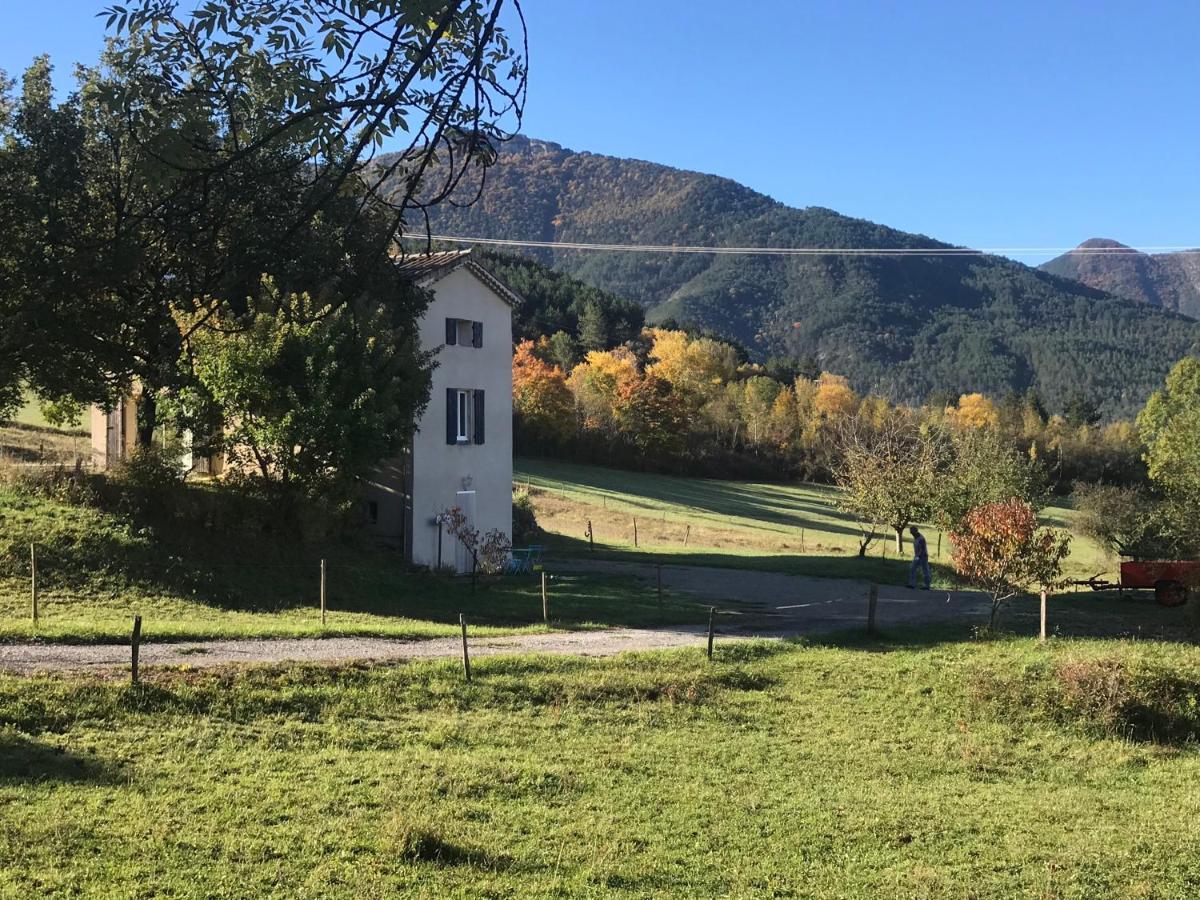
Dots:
pixel 658 574
pixel 802 550
pixel 1042 630
pixel 462 621
pixel 322 593
pixel 635 540
pixel 686 535
pixel 872 601
pixel 590 537
pixel 545 601
pixel 939 549
pixel 135 646
pixel 712 617
pixel 33 586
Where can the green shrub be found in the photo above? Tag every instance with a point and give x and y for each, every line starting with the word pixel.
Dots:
pixel 525 528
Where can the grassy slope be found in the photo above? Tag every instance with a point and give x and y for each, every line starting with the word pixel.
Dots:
pixel 96 570
pixel 781 527
pixel 835 771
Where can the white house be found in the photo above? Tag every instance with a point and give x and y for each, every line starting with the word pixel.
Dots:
pixel 461 448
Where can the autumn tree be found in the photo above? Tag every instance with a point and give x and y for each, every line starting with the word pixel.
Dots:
pixel 999 548
pixel 974 411
pixel 834 400
pixel 648 417
pixel 887 475
pixel 596 383
pixel 542 402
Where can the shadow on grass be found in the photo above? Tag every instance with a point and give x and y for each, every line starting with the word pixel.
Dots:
pixel 24 760
pixel 839 566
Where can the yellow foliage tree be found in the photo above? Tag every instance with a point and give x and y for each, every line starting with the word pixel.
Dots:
pixel 834 399
pixel 597 381
pixel 974 411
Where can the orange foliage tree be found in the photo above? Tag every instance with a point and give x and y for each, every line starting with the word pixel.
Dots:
pixel 542 401
pixel 648 415
pixel 999 548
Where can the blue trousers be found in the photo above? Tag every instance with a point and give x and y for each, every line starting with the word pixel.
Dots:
pixel 919 564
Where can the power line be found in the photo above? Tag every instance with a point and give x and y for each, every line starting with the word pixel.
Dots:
pixel 808 251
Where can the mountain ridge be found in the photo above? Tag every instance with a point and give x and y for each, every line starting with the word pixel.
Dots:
pixel 906 327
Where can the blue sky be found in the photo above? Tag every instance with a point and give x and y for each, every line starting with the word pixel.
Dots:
pixel 989 124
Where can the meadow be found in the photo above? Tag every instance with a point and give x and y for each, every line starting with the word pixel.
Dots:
pixel 927 765
pixel 795 528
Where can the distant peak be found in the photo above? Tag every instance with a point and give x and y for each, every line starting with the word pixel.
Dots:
pixel 1103 243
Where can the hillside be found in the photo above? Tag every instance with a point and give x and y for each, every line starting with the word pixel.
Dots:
pixel 906 327
pixel 1169 280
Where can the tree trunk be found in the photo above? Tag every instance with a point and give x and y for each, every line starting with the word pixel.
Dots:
pixel 900 539
pixel 147 419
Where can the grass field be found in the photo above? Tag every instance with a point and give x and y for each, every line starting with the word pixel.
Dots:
pixel 97 569
pixel 925 767
pixel 793 528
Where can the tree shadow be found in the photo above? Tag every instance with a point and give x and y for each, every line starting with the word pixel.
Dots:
pixel 24 760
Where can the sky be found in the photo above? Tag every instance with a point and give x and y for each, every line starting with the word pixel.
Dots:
pixel 1015 124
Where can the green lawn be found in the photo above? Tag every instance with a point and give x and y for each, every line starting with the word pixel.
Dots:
pixel 794 528
pixel 98 569
pixel 913 768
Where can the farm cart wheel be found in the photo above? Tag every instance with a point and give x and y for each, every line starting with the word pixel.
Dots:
pixel 1169 593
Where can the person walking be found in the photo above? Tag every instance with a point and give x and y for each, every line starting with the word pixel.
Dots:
pixel 920 561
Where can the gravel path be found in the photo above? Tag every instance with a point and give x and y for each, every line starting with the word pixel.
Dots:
pixel 753 604
pixel 30 658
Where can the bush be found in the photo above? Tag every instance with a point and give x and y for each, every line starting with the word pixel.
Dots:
pixel 1109 695
pixel 525 528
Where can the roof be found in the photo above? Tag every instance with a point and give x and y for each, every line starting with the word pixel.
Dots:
pixel 426 268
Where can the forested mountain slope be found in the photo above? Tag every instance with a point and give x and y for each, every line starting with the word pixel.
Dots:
pixel 1169 280
pixel 903 326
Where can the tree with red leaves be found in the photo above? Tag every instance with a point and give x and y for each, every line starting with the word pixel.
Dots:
pixel 999 548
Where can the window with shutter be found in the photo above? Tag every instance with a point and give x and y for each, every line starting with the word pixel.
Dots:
pixel 476 334
pixel 451 332
pixel 478 416
pixel 464 418
pixel 451 416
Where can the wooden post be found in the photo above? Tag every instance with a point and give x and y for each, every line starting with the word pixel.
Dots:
pixel 712 617
pixel 1042 631
pixel 322 593
pixel 591 538
pixel 872 602
pixel 545 601
pixel 686 535
pixel 635 540
pixel 658 573
pixel 801 540
pixel 135 645
pixel 462 621
pixel 939 549
pixel 33 587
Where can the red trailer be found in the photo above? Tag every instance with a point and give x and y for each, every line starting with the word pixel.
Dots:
pixel 1170 579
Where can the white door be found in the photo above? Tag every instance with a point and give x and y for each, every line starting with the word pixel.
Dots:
pixel 464 500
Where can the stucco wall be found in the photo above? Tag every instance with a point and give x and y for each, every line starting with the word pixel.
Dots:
pixel 441 470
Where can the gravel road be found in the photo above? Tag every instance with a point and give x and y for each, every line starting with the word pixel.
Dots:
pixel 30 658
pixel 752 604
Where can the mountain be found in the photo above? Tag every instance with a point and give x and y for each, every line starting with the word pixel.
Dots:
pixel 906 327
pixel 1169 280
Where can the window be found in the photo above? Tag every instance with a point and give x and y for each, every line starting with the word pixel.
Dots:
pixel 464 416
pixel 462 435
pixel 464 332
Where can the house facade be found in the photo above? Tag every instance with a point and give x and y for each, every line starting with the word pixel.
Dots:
pixel 460 453
pixel 461 449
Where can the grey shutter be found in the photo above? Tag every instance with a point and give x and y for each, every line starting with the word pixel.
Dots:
pixel 451 416
pixel 478 394
pixel 451 331
pixel 476 334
